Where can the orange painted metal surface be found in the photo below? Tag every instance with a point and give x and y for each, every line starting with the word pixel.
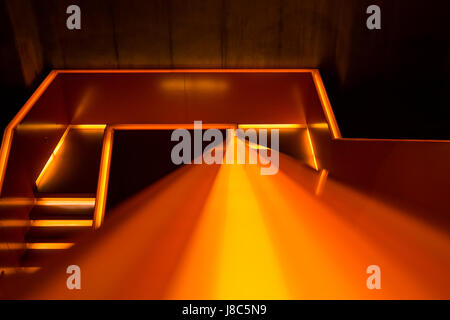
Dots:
pixel 226 231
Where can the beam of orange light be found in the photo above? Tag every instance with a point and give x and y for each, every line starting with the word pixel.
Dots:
pixel 256 146
pixel 230 255
pixel 103 178
pixel 313 248
pixel 45 223
pixel 8 135
pixel 247 253
pixel 34 245
pixel 325 246
pixel 322 180
pixel 158 229
pixel 326 105
pixel 52 156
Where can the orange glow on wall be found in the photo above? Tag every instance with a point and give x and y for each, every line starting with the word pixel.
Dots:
pixel 228 232
pixel 201 85
pixel 52 156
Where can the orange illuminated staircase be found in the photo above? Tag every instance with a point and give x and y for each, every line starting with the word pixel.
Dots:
pixel 34 230
pixel 387 197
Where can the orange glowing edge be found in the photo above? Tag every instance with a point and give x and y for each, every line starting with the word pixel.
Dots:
pixel 171 126
pixel 326 105
pixel 18 270
pixel 85 202
pixel 45 223
pixel 102 187
pixel 7 137
pixel 271 126
pixel 52 156
pixel 313 154
pixel 35 246
pixel 60 143
pixel 322 180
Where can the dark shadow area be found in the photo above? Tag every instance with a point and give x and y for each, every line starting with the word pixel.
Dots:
pixel 139 159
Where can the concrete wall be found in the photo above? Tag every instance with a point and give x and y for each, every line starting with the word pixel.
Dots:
pixel 384 83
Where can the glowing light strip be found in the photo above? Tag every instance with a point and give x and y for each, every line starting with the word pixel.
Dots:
pixel 17 201
pixel 189 71
pixel 40 126
pixel 312 150
pixel 89 202
pixel 35 246
pixel 103 178
pixel 8 135
pixel 171 126
pixel 88 126
pixel 14 270
pixel 44 126
pixel 86 202
pixel 52 156
pixel 45 223
pixel 322 180
pixel 328 110
pixel 319 126
pixel 271 126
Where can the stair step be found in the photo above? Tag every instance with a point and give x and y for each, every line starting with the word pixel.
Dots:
pixel 8 271
pixel 9 258
pixel 11 234
pixel 33 258
pixel 33 231
pixel 11 224
pixel 62 213
pixel 52 234
pixel 17 246
pixel 9 211
pixel 80 151
pixel 23 203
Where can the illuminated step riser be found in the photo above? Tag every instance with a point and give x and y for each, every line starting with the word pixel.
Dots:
pixel 35 246
pixel 44 223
